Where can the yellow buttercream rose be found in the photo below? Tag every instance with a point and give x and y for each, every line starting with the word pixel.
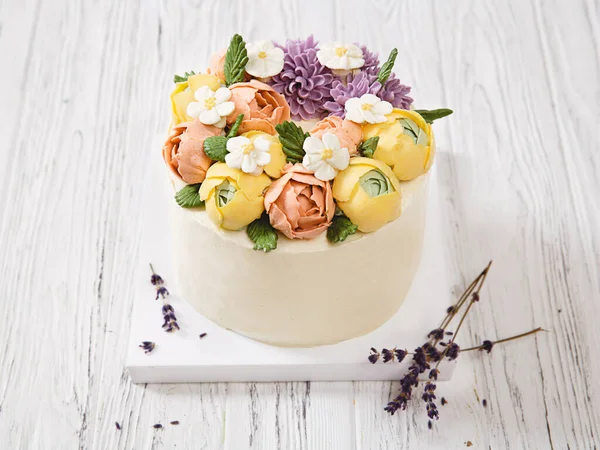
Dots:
pixel 183 94
pixel 406 143
pixel 368 193
pixel 278 159
pixel 233 199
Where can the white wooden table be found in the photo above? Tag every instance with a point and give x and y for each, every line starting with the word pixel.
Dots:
pixel 83 91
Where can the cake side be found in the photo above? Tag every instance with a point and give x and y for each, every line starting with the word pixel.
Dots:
pixel 303 295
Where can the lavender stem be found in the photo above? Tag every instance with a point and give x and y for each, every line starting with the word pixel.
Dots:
pixel 511 338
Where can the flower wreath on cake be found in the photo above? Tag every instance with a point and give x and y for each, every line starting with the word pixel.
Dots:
pixel 238 145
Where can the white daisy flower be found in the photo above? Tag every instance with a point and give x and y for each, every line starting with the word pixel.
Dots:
pixel 212 107
pixel 336 55
pixel 264 59
pixel 368 108
pixel 325 157
pixel 247 156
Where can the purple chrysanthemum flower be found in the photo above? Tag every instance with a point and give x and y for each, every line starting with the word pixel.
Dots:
pixel 396 93
pixel 304 82
pixel 371 65
pixel 362 83
pixel 352 86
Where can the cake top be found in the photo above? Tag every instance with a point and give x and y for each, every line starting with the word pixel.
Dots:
pixel 296 139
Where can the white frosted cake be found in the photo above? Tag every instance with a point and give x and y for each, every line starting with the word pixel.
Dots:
pixel 300 181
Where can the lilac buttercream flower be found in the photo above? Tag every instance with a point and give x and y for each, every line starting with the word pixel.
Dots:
pixel 304 81
pixel 371 65
pixel 363 83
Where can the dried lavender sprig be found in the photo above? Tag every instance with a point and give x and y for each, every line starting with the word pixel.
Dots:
pixel 169 318
pixel 452 349
pixel 485 345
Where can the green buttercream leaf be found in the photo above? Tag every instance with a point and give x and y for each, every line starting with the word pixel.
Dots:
pixel 386 68
pixel 215 148
pixel 341 227
pixel 368 147
pixel 411 129
pixel 292 139
pixel 236 59
pixel 235 127
pixel 181 79
pixel 375 183
pixel 225 192
pixel 430 115
pixel 262 234
pixel 188 197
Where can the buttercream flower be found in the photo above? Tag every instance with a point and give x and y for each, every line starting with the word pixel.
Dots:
pixel 264 59
pixel 406 143
pixel 348 132
pixel 299 205
pixel 211 107
pixel 249 156
pixel 325 156
pixel 183 95
pixel 262 107
pixel 368 108
pixel 304 81
pixel 278 158
pixel 356 85
pixel 184 150
pixel 336 55
pixel 232 198
pixel 368 193
pixel 216 64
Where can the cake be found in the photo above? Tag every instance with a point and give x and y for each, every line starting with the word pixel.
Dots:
pixel 300 181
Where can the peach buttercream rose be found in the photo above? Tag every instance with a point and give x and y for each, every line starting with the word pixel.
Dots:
pixel 299 205
pixel 348 132
pixel 262 107
pixel 184 150
pixel 217 64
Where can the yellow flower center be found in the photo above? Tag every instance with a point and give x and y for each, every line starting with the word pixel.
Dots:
pixel 210 103
pixel 367 106
pixel 247 148
pixel 341 51
pixel 327 154
pixel 262 55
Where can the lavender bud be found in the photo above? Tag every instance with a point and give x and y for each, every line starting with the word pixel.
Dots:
pixel 400 354
pixel 453 351
pixel 388 355
pixel 487 346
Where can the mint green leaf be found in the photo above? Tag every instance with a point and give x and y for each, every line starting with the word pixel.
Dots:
pixel 225 193
pixel 375 183
pixel 181 79
pixel 368 147
pixel 215 148
pixel 292 139
pixel 341 227
pixel 411 129
pixel 386 68
pixel 236 125
pixel 188 197
pixel 236 59
pixel 430 115
pixel 262 233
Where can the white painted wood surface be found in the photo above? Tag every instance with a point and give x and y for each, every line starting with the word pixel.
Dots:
pixel 83 90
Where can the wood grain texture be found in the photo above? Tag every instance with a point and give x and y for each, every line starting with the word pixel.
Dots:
pixel 84 88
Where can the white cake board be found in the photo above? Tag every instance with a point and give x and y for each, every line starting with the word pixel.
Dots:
pixel 223 355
